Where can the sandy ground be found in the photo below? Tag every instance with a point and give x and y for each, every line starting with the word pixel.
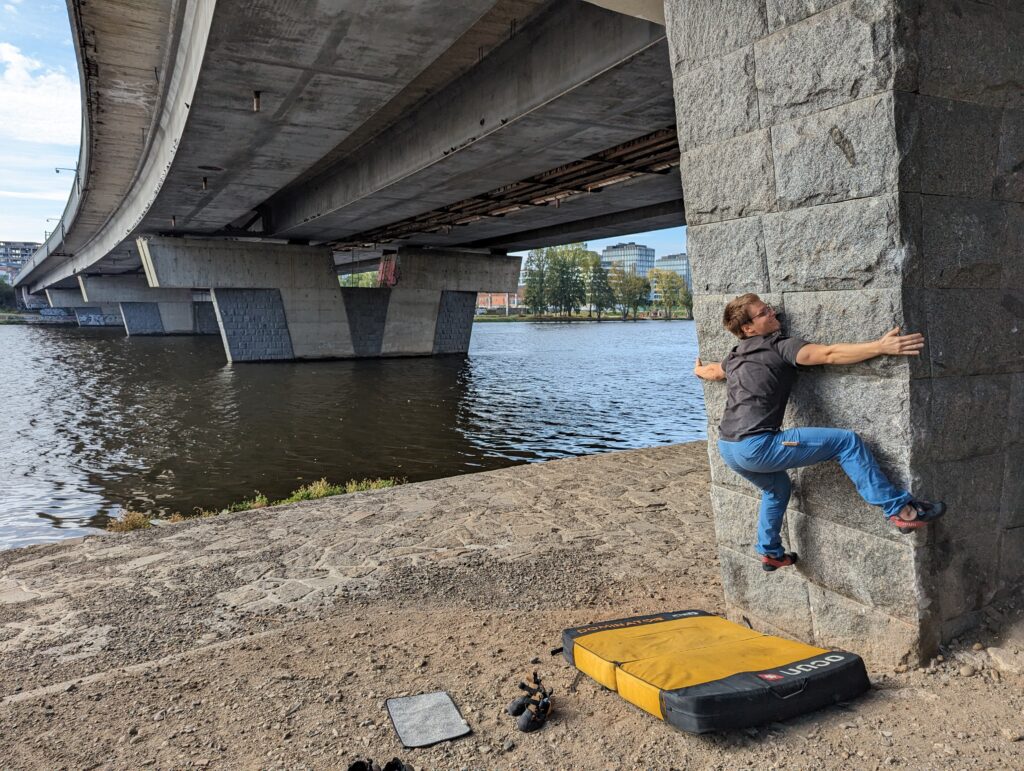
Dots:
pixel 271 639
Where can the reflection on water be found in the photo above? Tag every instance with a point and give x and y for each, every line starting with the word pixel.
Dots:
pixel 91 421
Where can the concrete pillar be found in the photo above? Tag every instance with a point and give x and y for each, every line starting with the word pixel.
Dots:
pixel 88 314
pixel 31 301
pixel 858 164
pixel 280 302
pixel 148 311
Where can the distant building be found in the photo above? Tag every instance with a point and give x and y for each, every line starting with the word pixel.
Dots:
pixel 14 254
pixel 630 257
pixel 677 263
pixel 501 302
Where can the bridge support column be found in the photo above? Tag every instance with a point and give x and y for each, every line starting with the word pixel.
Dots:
pixel 280 302
pixel 88 314
pixel 860 167
pixel 148 311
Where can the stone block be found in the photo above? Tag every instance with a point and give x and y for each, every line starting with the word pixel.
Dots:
pixel 736 517
pixel 971 51
pixel 961 571
pixel 702 29
pixel 714 400
pixel 782 13
pixel 780 596
pixel 962 242
pixel 205 319
pixel 959 319
pixel 948 147
pixel 879 638
pixel 848 316
pixel 846 561
pixel 1012 488
pixel 876 408
pixel 729 179
pixel 1009 181
pixel 1015 411
pixel 960 417
pixel 717 100
pixel 829 59
pixel 1011 557
pixel 713 340
pixel 728 257
pixel 850 245
pixel 828 494
pixel 974 507
pixel 836 155
pixel 1012 246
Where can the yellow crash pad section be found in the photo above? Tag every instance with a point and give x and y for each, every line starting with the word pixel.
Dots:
pixel 641 661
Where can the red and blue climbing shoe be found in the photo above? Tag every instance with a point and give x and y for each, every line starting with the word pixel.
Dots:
pixel 770 564
pixel 926 512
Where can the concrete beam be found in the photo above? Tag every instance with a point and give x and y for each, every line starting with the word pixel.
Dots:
pixel 149 311
pixel 649 10
pixel 275 301
pixel 527 108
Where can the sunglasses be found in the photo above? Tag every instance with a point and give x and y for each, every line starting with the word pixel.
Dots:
pixel 764 312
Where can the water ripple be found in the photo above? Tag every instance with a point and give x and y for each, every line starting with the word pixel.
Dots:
pixel 92 422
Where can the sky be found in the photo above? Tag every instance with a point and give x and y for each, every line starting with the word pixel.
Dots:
pixel 40 125
pixel 40 116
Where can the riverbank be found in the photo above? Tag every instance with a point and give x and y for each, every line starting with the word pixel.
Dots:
pixel 272 638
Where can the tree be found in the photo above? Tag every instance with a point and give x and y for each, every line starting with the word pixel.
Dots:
pixel 536 293
pixel 669 288
pixel 567 289
pixel 7 295
pixel 600 293
pixel 631 291
pixel 365 280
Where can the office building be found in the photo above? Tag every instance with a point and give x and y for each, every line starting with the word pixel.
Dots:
pixel 630 257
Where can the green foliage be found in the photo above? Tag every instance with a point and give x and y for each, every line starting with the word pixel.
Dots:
pixel 556 278
pixel 314 490
pixel 536 292
pixel 128 521
pixel 7 295
pixel 365 280
pixel 670 290
pixel 631 291
pixel 258 501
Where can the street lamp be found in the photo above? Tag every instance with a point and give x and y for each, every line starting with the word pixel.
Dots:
pixel 78 183
pixel 61 221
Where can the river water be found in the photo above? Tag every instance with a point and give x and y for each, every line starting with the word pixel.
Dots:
pixel 92 422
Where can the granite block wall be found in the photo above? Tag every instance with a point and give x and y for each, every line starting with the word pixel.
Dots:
pixel 860 164
pixel 367 311
pixel 142 318
pixel 454 322
pixel 99 316
pixel 253 323
pixel 204 319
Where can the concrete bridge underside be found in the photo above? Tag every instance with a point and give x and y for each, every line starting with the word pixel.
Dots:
pixel 859 163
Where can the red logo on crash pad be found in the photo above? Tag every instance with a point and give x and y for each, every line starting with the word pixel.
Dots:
pixel 769 676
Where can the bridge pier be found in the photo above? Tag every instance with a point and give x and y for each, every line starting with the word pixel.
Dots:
pixel 88 314
pixel 859 167
pixel 283 302
pixel 148 311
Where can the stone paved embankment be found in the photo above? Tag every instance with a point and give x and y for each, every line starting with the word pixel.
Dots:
pixel 272 638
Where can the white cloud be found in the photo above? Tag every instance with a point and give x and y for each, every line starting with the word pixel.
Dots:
pixel 56 195
pixel 43 102
pixel 10 8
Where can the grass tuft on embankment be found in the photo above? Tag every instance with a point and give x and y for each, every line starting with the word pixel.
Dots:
pixel 128 521
pixel 321 488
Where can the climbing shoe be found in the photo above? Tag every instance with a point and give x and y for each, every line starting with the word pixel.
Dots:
pixel 927 512
pixel 769 564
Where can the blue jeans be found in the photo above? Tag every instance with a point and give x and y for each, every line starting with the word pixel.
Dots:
pixel 763 459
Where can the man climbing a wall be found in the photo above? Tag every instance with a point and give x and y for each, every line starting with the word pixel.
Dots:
pixel 759 375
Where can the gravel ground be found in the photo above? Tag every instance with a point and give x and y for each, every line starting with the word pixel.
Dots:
pixel 271 639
